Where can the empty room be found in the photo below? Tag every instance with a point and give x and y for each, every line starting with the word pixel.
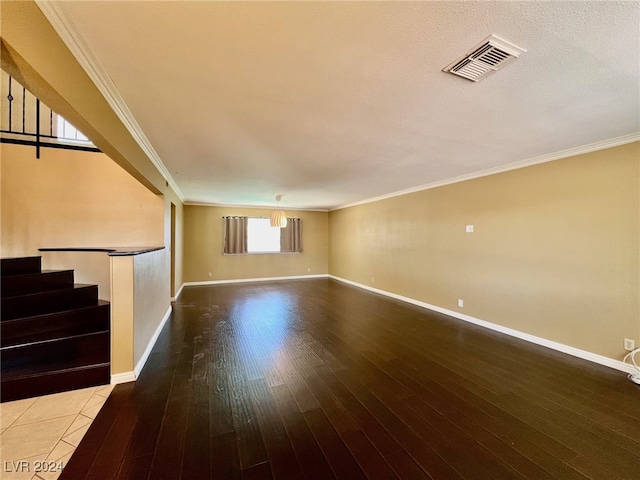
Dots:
pixel 316 240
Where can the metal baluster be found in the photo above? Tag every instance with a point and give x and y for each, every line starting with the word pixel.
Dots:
pixel 10 98
pixel 37 128
pixel 24 101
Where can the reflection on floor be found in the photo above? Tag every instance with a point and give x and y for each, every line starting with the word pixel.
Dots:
pixel 39 435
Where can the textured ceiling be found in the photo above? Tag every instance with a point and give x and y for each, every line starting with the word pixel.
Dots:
pixel 334 103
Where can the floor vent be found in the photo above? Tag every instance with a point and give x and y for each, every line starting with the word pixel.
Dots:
pixel 485 58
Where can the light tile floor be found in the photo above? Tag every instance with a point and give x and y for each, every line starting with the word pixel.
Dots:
pixel 39 435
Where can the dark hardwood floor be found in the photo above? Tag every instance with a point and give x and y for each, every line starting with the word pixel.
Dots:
pixel 316 379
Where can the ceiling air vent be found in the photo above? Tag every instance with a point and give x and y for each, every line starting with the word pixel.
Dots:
pixel 485 58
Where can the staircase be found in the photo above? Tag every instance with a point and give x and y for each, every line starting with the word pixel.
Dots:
pixel 54 334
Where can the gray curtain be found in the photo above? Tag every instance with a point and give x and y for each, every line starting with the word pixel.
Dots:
pixel 291 236
pixel 235 234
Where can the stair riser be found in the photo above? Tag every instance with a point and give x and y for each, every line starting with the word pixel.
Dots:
pixel 46 384
pixel 40 358
pixel 55 326
pixel 49 302
pixel 20 266
pixel 41 282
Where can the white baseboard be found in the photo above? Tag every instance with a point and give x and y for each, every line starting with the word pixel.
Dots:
pixel 263 279
pixel 576 352
pixel 173 299
pixel 132 376
pixel 124 377
pixel 151 344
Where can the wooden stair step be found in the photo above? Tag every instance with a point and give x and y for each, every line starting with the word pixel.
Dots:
pixel 51 326
pixel 36 282
pixel 45 383
pixel 39 358
pixel 20 266
pixel 80 295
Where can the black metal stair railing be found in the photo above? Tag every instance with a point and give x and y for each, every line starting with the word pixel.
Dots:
pixel 25 120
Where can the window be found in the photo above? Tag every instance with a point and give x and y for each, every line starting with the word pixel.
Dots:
pixel 262 237
pixel 256 235
pixel 68 132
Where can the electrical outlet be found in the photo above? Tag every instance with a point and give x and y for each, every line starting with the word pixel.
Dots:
pixel 460 303
pixel 629 344
pixel 373 279
pixel 309 269
pixel 209 274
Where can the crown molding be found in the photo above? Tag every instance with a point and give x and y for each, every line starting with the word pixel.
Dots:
pixel 265 207
pixel 570 152
pixel 57 15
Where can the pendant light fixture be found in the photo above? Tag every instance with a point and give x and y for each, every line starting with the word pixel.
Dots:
pixel 278 217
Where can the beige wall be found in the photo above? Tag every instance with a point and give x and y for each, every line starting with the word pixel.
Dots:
pixel 140 300
pixel 74 199
pixel 88 267
pixel 151 298
pixel 71 198
pixel 81 199
pixel 122 316
pixel 203 242
pixel 555 251
pixel 170 198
